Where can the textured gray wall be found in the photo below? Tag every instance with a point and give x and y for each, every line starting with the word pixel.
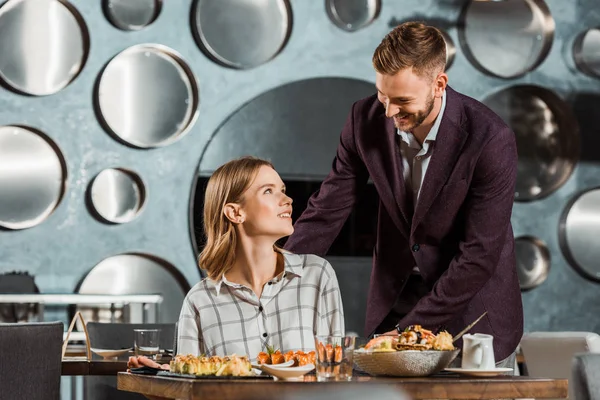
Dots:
pixel 70 242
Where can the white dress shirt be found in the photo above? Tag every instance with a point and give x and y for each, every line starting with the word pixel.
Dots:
pixel 224 318
pixel 415 158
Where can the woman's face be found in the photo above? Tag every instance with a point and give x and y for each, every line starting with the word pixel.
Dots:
pixel 266 209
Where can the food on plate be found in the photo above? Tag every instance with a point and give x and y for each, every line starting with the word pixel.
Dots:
pixel 233 365
pixel 382 343
pixel 443 341
pixel 414 337
pixel 299 357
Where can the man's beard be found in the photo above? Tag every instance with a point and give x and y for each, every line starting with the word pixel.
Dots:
pixel 415 120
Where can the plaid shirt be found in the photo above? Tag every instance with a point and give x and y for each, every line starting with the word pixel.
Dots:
pixel 224 318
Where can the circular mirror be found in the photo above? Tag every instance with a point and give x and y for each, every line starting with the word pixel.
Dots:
pixel 352 15
pixel 579 233
pixel 134 273
pixel 533 261
pixel 506 38
pixel 148 96
pixel 43 45
pixel 33 176
pixel 241 34
pixel 118 195
pixel 547 138
pixel 131 15
pixel 586 52
pixel 450 49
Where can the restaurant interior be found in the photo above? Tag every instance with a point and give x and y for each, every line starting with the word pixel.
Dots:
pixel 103 168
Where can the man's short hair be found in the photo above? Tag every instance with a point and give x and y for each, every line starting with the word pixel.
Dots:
pixel 411 45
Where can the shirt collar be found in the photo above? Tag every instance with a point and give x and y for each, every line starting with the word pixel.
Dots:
pixel 293 264
pixel 432 135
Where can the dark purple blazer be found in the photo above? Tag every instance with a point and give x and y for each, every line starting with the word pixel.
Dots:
pixel 460 235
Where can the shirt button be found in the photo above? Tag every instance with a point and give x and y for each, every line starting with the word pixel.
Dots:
pixel 265 334
pixel 415 247
pixel 260 309
pixel 270 283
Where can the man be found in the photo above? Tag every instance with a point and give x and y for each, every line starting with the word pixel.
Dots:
pixel 444 166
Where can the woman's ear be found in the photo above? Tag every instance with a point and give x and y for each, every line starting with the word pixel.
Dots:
pixel 233 212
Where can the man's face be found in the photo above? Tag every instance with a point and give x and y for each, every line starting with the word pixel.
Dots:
pixel 407 97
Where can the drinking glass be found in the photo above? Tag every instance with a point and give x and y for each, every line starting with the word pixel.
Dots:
pixel 145 342
pixel 334 358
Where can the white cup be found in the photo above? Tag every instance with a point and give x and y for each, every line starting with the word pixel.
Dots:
pixel 478 352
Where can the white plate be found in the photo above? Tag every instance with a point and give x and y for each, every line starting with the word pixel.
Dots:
pixel 110 353
pixel 287 373
pixel 479 372
pixel 282 365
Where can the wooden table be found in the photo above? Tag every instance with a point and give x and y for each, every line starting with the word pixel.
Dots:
pixel 443 387
pixel 75 367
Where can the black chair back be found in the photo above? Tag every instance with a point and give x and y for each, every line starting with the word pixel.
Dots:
pixel 30 360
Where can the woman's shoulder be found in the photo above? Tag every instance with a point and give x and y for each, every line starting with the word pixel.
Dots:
pixel 200 287
pixel 304 259
pixel 310 263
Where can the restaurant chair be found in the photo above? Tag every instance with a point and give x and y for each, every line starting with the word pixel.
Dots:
pixel 21 283
pixel 118 336
pixel 585 376
pixel 30 360
pixel 550 354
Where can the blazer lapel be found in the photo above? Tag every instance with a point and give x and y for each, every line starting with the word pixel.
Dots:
pixel 395 176
pixel 449 142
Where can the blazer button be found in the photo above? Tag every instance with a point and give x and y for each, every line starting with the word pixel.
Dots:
pixel 265 334
pixel 415 247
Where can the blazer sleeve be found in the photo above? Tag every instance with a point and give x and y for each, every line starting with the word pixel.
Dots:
pixel 329 207
pixel 488 209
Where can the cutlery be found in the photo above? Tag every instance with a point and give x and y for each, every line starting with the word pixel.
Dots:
pixel 461 333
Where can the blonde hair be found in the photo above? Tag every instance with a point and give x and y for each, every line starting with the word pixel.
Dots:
pixel 226 185
pixel 411 44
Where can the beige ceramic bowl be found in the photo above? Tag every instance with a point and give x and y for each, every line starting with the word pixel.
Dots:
pixel 405 362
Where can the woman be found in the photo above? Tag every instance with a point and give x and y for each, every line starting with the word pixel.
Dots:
pixel 256 296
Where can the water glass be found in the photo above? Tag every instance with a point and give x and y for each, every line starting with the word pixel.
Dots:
pixel 334 358
pixel 145 342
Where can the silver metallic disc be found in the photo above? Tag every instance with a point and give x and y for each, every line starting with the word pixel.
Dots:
pixel 131 15
pixel 33 177
pixel 352 15
pixel 579 233
pixel 135 274
pixel 118 195
pixel 507 38
pixel 450 49
pixel 242 33
pixel 547 138
pixel 533 261
pixel 43 45
pixel 586 52
pixel 276 127
pixel 148 96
